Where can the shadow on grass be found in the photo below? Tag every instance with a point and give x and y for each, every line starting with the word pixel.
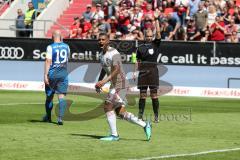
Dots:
pixel 90 136
pixel 87 135
pixel 40 121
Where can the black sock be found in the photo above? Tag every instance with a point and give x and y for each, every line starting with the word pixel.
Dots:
pixel 141 106
pixel 155 105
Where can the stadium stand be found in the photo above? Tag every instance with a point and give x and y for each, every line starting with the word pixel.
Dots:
pixel 179 19
pixel 4 4
pixel 75 9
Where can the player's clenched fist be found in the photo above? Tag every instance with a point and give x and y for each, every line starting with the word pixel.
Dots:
pixel 98 86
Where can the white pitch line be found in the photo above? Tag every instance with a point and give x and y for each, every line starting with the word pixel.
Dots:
pixel 189 154
pixel 13 104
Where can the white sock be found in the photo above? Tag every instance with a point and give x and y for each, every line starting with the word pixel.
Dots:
pixel 111 118
pixel 131 118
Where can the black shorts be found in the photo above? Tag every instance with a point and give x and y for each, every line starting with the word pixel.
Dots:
pixel 148 77
pixel 153 89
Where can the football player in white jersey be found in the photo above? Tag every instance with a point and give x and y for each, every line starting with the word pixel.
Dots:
pixel 115 102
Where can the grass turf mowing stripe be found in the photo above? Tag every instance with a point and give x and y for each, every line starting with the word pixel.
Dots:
pixel 13 104
pixel 189 154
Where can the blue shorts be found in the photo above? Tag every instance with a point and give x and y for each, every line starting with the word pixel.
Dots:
pixel 58 83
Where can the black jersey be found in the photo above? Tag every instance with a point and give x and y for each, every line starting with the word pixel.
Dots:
pixel 148 52
pixel 147 55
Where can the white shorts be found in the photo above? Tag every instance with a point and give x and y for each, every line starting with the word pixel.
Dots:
pixel 117 97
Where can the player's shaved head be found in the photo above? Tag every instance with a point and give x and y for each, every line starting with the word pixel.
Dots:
pixel 148 35
pixel 57 37
pixel 57 33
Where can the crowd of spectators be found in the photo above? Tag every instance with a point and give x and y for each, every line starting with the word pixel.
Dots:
pixel 189 20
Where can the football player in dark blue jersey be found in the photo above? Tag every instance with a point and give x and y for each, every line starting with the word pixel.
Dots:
pixel 56 75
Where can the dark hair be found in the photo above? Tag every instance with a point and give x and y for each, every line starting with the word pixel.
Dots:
pixel 104 34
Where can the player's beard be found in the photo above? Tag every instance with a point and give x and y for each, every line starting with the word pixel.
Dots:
pixel 104 47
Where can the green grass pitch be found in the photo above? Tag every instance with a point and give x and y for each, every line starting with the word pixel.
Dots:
pixel 187 125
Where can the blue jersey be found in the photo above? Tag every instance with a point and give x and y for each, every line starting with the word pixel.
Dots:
pixel 58 75
pixel 59 53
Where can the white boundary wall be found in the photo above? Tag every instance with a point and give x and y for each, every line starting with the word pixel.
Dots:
pixel 80 87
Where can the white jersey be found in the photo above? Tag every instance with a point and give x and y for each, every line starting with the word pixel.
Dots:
pixel 112 58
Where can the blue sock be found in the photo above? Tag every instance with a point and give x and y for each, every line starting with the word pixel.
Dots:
pixel 62 107
pixel 48 107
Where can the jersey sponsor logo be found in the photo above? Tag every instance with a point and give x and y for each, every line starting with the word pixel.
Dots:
pixel 150 51
pixel 11 53
pixel 108 62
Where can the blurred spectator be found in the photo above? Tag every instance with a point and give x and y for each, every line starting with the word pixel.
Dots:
pixel 166 29
pixel 181 2
pixel 88 14
pixel 156 4
pixel 230 29
pixel 219 4
pixel 74 28
pixel 168 6
pixel 206 5
pixel 236 15
pixel 104 26
pixel 29 18
pixel 98 13
pixel 147 23
pixel 148 12
pixel 128 3
pixel 175 22
pixel 226 16
pixel 113 25
pixel 130 35
pixel 193 7
pixel 234 37
pixel 123 17
pixel 84 27
pixel 134 34
pixel 217 30
pixel 191 30
pixel 95 33
pixel 201 18
pixel 138 34
pixel 118 36
pixel 181 7
pixel 108 9
pixel 94 23
pixel 20 25
pixel 230 5
pixel 136 16
pixel 206 36
pixel 212 14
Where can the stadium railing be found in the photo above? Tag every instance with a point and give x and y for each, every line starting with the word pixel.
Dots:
pixel 39 32
pixel 231 79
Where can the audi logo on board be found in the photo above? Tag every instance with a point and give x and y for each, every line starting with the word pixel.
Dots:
pixel 11 53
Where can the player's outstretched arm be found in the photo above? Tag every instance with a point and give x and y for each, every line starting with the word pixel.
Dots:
pixel 158 32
